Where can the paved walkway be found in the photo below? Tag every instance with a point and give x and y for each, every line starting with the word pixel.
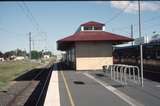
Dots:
pixel 71 88
pixel 149 95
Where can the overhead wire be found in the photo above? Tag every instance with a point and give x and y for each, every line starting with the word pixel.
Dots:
pixel 32 17
pixel 36 23
pixel 144 22
pixel 33 20
pixel 118 14
pixel 11 32
pixel 136 25
pixel 26 14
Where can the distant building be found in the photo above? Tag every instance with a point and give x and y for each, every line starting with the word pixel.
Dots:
pixel 19 58
pixel 12 57
pixel 143 39
pixel 155 38
pixel 46 56
pixel 1 59
pixel 58 57
pixel 90 47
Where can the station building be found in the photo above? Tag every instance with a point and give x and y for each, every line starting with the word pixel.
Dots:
pixel 90 47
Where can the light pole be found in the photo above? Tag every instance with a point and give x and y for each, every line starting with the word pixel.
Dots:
pixel 141 49
pixel 132 33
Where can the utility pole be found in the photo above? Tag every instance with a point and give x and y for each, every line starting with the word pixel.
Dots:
pixel 132 33
pixel 33 45
pixel 141 49
pixel 45 41
pixel 30 39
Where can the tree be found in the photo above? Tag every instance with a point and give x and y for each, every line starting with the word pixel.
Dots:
pixel 47 53
pixel 40 54
pixel 9 54
pixel 36 54
pixel 21 52
pixel 1 54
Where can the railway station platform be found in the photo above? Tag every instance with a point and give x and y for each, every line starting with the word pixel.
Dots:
pixel 81 88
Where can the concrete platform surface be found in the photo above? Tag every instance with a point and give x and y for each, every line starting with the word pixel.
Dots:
pixel 149 95
pixel 71 88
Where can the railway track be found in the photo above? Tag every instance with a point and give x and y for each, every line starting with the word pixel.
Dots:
pixel 37 97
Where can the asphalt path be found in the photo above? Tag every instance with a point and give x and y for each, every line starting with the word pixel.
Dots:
pixel 148 95
pixel 76 89
pixel 95 88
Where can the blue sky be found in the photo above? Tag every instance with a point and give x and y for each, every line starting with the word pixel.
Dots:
pixel 60 19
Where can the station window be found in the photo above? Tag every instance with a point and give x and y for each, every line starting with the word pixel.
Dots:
pixel 88 28
pixel 92 28
pixel 97 28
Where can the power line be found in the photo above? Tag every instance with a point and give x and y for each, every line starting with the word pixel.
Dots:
pixel 29 15
pixel 153 25
pixel 26 14
pixel 32 17
pixel 36 23
pixel 144 22
pixel 118 14
pixel 149 20
pixel 152 19
pixel 11 32
pixel 122 28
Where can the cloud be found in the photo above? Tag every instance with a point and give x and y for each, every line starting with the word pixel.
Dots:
pixel 133 6
pixel 100 2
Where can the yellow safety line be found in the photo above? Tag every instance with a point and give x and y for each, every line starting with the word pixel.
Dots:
pixel 68 91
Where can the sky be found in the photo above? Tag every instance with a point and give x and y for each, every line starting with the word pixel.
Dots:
pixel 51 21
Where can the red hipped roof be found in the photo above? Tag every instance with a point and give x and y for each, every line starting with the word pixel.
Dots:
pixel 92 23
pixel 92 36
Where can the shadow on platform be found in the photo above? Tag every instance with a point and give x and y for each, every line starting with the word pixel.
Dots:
pixel 42 75
pixel 62 66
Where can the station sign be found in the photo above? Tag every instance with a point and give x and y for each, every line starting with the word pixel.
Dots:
pixel 141 40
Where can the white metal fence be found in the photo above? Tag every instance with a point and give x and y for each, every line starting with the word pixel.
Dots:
pixel 123 73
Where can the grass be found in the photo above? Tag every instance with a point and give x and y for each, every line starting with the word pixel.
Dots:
pixel 11 69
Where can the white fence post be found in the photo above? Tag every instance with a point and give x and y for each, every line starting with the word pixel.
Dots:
pixel 124 73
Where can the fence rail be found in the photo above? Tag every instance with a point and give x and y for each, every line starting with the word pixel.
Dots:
pixel 123 74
